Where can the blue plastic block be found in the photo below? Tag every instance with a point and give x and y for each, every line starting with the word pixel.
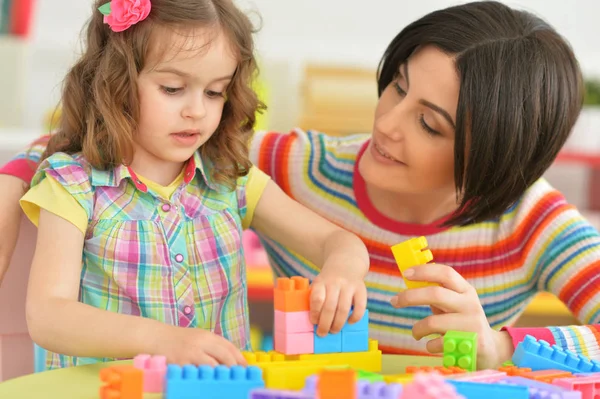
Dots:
pixel 331 343
pixel 205 382
pixel 267 343
pixel 541 390
pixel 364 389
pixel 361 325
pixel 489 391
pixel 539 355
pixel 274 394
pixel 355 341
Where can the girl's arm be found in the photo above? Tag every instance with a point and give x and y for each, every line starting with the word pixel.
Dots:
pixel 58 322
pixel 13 189
pixel 341 256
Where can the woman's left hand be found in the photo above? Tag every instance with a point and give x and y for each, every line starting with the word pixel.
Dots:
pixel 455 306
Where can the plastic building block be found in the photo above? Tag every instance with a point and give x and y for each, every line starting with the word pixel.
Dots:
pixel 369 360
pixel 411 253
pixel 278 394
pixel 331 343
pixel 398 378
pixel 429 386
pixel 480 376
pixel 295 344
pixel 355 341
pixel 437 369
pixel 460 349
pixel 514 371
pixel 262 357
pixel 541 390
pixel 361 325
pixel 293 322
pixel 588 386
pixel 364 389
pixel 292 294
pixel 490 391
pixel 154 368
pixel 290 375
pixel 205 382
pixel 539 355
pixel 547 375
pixel 368 376
pixel 121 382
pixel 334 384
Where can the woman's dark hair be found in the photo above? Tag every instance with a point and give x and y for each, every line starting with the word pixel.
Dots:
pixel 521 92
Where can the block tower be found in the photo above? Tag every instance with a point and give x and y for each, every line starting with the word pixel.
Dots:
pixel 294 333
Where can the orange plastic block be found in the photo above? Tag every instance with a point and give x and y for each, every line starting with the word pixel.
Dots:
pixel 292 294
pixel 547 375
pixel 335 384
pixel 440 369
pixel 412 253
pixel 122 382
pixel 514 371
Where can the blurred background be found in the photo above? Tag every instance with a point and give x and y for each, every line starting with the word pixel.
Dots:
pixel 318 60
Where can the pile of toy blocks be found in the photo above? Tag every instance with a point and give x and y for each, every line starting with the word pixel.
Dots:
pixel 347 365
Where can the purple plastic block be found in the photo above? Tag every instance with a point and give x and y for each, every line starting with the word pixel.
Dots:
pixel 541 389
pixel 274 394
pixel 378 390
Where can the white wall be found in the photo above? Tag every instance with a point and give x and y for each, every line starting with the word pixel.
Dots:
pixel 293 32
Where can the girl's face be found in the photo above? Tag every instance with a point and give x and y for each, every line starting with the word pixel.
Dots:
pixel 412 147
pixel 182 92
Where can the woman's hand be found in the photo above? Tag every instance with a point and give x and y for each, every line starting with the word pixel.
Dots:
pixel 455 306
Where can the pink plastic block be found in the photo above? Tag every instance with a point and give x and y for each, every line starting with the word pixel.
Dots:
pixel 429 386
pixel 588 386
pixel 293 322
pixel 480 376
pixel 294 344
pixel 155 368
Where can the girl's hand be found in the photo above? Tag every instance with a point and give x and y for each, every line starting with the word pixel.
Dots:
pixel 335 291
pixel 199 347
pixel 455 306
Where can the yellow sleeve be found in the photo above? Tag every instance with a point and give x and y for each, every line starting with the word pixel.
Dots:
pixel 54 198
pixel 255 186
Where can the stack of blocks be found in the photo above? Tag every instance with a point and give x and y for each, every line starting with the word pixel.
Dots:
pixel 295 334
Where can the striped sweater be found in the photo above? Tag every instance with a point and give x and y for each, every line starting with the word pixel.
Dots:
pixel 540 244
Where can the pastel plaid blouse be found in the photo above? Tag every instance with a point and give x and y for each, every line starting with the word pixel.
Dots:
pixel 179 261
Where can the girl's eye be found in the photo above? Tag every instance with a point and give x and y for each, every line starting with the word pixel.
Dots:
pixel 171 90
pixel 213 94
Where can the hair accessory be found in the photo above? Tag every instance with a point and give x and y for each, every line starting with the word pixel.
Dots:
pixel 121 14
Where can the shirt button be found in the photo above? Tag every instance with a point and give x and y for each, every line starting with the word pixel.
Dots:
pixel 166 207
pixel 187 310
pixel 179 258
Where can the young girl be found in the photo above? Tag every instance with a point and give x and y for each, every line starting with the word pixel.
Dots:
pixel 475 102
pixel 148 177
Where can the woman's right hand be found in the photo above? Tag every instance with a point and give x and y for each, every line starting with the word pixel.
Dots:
pixel 199 347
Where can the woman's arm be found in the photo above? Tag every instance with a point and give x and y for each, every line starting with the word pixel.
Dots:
pixel 13 189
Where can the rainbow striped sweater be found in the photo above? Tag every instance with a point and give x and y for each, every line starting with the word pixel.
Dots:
pixel 541 244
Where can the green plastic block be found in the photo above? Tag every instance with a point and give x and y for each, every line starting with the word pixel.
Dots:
pixel 460 349
pixel 369 376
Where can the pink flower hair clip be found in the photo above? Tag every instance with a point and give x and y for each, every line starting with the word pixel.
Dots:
pixel 121 14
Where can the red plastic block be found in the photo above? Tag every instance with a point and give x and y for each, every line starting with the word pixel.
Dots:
pixel 292 295
pixel 293 322
pixel 588 386
pixel 294 344
pixel 121 382
pixel 336 384
pixel 154 368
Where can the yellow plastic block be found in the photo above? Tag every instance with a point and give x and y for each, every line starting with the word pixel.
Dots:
pixel 254 358
pixel 412 253
pixel 398 378
pixel 367 361
pixel 255 337
pixel 291 374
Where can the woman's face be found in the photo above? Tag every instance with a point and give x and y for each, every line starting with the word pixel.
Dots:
pixel 412 148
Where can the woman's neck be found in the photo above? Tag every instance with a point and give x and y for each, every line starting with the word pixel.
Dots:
pixel 163 173
pixel 421 209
